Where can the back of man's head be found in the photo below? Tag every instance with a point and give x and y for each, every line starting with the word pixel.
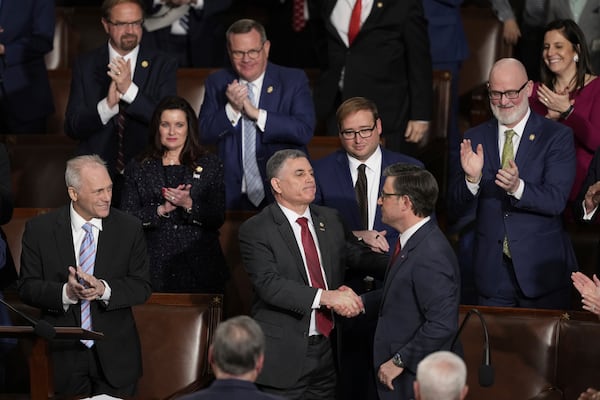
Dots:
pixel 237 348
pixel 441 376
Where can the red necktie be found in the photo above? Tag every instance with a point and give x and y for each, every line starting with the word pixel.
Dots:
pixel 324 321
pixel 354 26
pixel 298 21
pixel 396 252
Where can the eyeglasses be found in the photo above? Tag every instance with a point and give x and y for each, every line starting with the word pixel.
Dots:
pixel 252 54
pixel 364 133
pixel 122 25
pixel 383 194
pixel 509 94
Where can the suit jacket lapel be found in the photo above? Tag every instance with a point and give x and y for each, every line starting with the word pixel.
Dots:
pixel 64 238
pixel 490 147
pixel 100 68
pixel 528 139
pixel 287 234
pixel 346 187
pixel 142 67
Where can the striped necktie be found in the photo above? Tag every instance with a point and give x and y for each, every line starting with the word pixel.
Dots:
pixel 254 185
pixel 87 259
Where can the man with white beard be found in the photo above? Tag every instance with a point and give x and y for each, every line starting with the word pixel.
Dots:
pixel 517 171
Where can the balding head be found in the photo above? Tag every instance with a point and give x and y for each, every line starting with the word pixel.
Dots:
pixel 509 67
pixel 509 90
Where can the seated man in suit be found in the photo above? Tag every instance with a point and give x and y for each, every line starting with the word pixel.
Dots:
pixel 441 376
pixel 85 265
pixel 296 254
pixel 236 356
pixel 115 88
pixel 252 110
pixel 517 170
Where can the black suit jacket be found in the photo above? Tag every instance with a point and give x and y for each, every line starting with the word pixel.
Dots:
pixel 389 62
pixel 121 261
pixel 283 295
pixel 154 75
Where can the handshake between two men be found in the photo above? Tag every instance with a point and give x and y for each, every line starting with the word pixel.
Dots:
pixel 343 301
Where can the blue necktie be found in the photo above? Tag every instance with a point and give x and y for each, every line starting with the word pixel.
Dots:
pixel 254 185
pixel 184 21
pixel 87 258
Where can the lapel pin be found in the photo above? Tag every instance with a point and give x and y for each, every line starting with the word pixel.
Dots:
pixel 145 64
pixel 270 89
pixel 532 137
pixel 379 4
pixel 321 227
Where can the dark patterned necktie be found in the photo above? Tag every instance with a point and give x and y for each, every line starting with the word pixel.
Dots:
pixel 361 196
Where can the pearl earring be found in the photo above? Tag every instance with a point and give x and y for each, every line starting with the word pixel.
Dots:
pixel 576 58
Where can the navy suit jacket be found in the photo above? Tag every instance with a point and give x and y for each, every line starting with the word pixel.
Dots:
pixel 28 32
pixel 541 251
pixel 290 122
pixel 121 261
pixel 283 296
pixel 154 75
pixel 417 308
pixel 336 190
pixel 446 34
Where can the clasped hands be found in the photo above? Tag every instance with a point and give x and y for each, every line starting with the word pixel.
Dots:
pixel 556 103
pixel 589 290
pixel 119 71
pixel 82 286
pixel 177 197
pixel 237 95
pixel 343 301
pixel 472 163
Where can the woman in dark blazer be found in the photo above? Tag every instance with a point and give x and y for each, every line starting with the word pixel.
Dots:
pixel 176 188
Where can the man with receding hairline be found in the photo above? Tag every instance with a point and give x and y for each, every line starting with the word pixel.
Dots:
pixel 441 376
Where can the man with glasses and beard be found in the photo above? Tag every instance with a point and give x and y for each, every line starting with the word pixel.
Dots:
pixel 252 110
pixel 115 88
pixel 517 170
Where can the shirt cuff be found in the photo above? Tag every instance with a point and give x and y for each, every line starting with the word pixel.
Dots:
pixel 587 216
pixel 105 112
pixel 66 300
pixel 107 292
pixel 261 122
pixel 517 194
pixel 131 93
pixel 232 115
pixel 317 301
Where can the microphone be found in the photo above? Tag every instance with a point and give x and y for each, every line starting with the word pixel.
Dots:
pixel 41 328
pixel 486 371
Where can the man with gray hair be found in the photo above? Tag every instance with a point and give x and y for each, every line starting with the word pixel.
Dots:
pixel 441 376
pixel 236 356
pixel 295 254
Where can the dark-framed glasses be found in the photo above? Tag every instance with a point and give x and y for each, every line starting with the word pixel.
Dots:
pixel 122 25
pixel 509 94
pixel 349 134
pixel 384 195
pixel 252 54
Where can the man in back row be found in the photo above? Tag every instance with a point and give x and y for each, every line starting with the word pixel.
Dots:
pixel 252 110
pixel 115 89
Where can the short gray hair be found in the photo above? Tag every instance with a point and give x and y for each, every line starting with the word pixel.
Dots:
pixel 442 376
pixel 76 164
pixel 244 26
pixel 279 158
pixel 237 346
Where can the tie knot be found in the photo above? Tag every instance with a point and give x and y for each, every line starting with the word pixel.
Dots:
pixel 361 167
pixel 87 227
pixel 303 222
pixel 509 133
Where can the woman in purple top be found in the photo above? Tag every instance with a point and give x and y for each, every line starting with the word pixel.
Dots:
pixel 569 91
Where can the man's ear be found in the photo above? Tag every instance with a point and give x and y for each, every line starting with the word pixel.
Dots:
pixel 416 390
pixel 463 393
pixel 259 363
pixel 275 185
pixel 72 193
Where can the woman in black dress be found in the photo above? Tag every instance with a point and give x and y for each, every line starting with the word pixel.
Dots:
pixel 176 189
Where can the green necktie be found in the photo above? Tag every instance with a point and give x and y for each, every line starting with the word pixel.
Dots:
pixel 508 153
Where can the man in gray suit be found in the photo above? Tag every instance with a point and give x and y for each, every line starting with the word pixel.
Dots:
pixel 295 254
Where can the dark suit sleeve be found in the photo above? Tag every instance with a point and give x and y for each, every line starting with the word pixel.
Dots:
pixel 549 194
pixel 133 287
pixel 213 119
pixel 273 270
pixel 38 42
pixel 294 120
pixel 418 60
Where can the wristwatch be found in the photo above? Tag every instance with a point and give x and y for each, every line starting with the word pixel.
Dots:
pixel 397 361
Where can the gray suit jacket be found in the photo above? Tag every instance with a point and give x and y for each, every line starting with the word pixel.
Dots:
pixel 283 295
